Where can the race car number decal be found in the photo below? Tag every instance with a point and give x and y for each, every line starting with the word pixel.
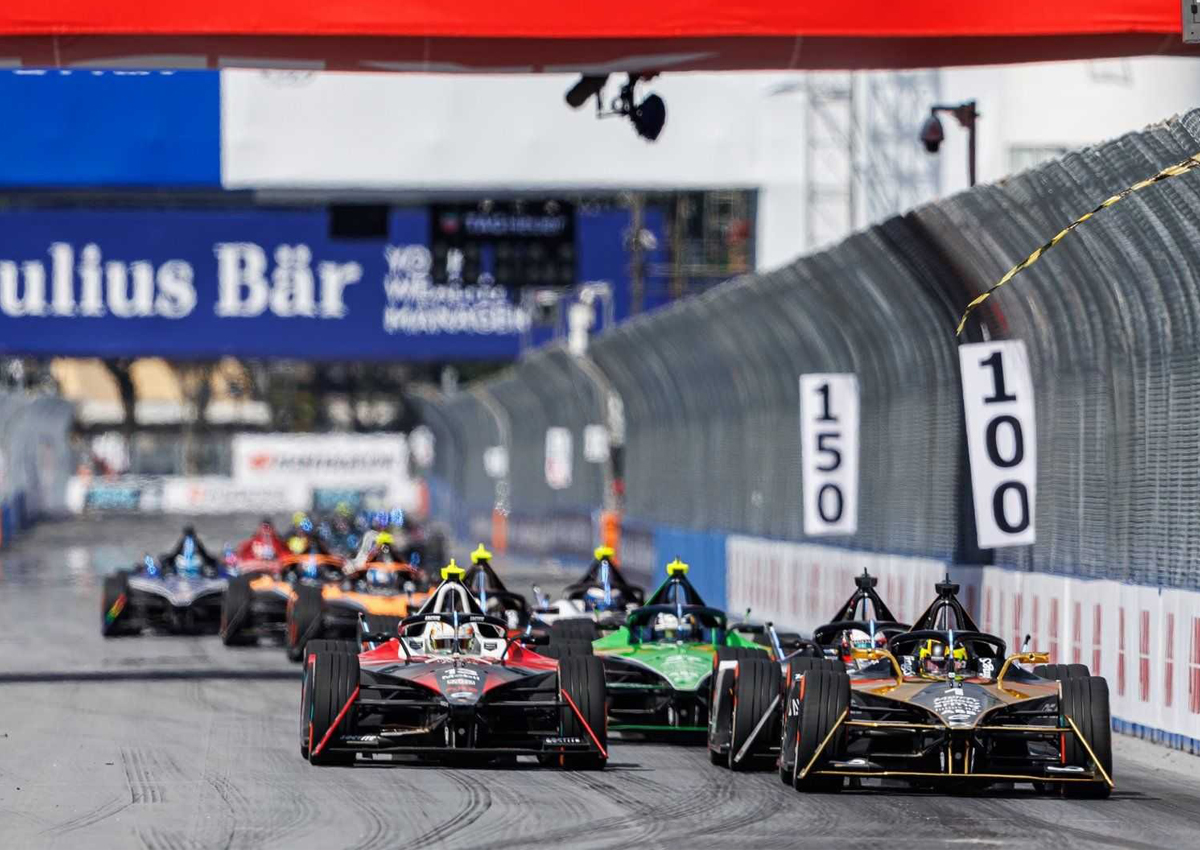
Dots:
pixel 957 707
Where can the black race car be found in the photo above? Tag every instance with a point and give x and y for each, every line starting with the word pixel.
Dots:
pixel 178 592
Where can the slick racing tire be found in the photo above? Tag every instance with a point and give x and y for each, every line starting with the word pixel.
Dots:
pixel 719 727
pixel 566 649
pixel 574 628
pixel 755 687
pixel 330 680
pixel 582 679
pixel 379 624
pixel 790 719
pixel 824 696
pixel 114 606
pixel 1061 671
pixel 235 612
pixel 304 616
pixel 1085 700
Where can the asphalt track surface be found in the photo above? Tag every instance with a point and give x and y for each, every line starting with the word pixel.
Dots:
pixel 180 744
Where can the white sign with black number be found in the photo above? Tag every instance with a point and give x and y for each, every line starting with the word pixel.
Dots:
pixel 558 458
pixel 829 453
pixel 595 444
pixel 1001 440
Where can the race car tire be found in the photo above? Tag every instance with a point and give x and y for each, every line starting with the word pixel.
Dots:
pixel 719 728
pixel 566 649
pixel 330 680
pixel 582 678
pixel 1085 700
pixel 379 624
pixel 304 617
pixel 235 612
pixel 573 629
pixel 826 695
pixel 755 687
pixel 114 606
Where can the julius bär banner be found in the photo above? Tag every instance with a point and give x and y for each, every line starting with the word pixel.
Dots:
pixel 249 283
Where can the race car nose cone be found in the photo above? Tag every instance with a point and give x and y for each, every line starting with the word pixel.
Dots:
pixel 460 685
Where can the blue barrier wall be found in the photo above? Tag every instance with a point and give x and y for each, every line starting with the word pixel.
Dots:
pixel 703 552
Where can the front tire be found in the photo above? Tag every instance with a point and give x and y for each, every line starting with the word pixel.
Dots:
pixel 566 649
pixel 826 697
pixel 114 606
pixel 756 685
pixel 573 629
pixel 1085 700
pixel 330 680
pixel 582 678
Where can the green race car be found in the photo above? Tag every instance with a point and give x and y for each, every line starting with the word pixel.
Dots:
pixel 657 666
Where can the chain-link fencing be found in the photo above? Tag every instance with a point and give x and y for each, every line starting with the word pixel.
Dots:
pixel 708 388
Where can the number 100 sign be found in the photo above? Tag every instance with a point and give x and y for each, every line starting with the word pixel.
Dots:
pixel 829 453
pixel 1001 440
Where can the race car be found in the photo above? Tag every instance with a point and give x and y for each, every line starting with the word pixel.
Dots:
pixel 385 589
pixel 451 686
pixel 736 739
pixel 256 600
pixel 944 705
pixel 658 664
pixel 599 601
pixel 179 592
pixel 495 599
pixel 416 544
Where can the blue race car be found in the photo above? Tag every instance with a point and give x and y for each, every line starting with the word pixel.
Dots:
pixel 179 592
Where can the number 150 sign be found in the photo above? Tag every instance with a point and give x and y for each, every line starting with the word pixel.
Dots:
pixel 1001 440
pixel 829 453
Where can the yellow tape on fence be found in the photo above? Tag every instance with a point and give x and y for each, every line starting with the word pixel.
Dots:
pixel 1171 171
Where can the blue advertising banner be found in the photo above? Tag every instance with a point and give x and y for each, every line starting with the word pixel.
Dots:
pixel 84 127
pixel 261 282
pixel 249 283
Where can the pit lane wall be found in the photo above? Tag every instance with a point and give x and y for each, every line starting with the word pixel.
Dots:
pixel 1144 640
pixel 35 460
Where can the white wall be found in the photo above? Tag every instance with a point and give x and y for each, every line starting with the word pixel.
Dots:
pixel 417 132
pixel 1067 104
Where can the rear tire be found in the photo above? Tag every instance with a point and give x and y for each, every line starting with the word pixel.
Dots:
pixel 755 687
pixel 583 679
pixel 1059 672
pixel 1085 700
pixel 566 649
pixel 826 696
pixel 235 612
pixel 114 606
pixel 573 629
pixel 304 617
pixel 325 645
pixel 330 679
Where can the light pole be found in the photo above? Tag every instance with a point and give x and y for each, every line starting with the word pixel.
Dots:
pixel 932 134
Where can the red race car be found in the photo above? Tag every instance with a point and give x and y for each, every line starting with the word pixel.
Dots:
pixel 452 686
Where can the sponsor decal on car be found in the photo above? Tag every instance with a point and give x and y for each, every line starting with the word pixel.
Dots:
pixel 957 708
pixel 560 742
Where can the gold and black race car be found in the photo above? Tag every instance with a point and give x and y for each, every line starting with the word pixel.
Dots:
pixel 942 705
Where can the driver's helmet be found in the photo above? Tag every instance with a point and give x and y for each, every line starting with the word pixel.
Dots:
pixel 309 568
pixel 298 518
pixel 860 639
pixel 381 578
pixel 441 639
pixel 593 598
pixel 936 660
pixel 188 562
pixel 670 627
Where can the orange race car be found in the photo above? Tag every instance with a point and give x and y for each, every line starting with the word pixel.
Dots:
pixel 382 591
pixel 256 601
